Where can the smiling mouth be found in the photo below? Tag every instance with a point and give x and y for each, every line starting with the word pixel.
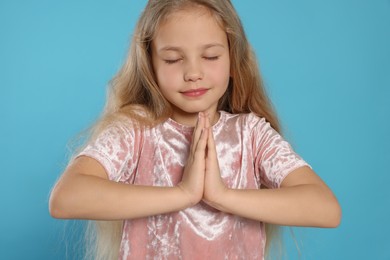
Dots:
pixel 195 92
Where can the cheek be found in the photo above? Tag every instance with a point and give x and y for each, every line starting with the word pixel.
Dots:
pixel 164 79
pixel 220 74
pixel 166 76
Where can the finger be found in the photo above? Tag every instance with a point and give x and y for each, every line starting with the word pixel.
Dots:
pixel 197 131
pixel 211 150
pixel 199 126
pixel 202 142
pixel 207 121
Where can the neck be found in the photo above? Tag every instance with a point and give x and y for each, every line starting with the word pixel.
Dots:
pixel 189 119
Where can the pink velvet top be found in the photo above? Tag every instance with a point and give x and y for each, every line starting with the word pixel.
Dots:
pixel 250 153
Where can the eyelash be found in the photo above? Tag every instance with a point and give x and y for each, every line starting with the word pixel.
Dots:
pixel 206 58
pixel 212 58
pixel 171 61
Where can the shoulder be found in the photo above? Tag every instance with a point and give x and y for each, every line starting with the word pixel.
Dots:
pixel 118 128
pixel 123 125
pixel 129 120
pixel 245 120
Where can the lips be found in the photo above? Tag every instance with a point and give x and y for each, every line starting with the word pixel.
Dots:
pixel 194 92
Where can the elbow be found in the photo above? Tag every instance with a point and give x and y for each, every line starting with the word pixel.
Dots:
pixel 333 215
pixel 337 215
pixel 329 211
pixel 56 204
pixel 54 207
pixel 55 211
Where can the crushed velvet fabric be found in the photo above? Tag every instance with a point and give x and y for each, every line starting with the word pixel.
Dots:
pixel 251 155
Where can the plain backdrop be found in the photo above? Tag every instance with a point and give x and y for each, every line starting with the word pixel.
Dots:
pixel 326 65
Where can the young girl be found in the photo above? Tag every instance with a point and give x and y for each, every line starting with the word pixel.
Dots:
pixel 188 155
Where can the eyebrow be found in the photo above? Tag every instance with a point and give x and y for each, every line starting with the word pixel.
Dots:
pixel 204 47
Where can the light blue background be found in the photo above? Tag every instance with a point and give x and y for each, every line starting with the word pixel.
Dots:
pixel 326 65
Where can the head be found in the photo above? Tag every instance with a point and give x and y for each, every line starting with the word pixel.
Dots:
pixel 136 85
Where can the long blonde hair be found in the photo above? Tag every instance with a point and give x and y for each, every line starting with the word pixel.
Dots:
pixel 134 93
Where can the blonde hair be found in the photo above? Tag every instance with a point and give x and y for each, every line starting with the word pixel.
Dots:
pixel 135 94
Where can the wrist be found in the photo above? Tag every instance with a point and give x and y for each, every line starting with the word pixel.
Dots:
pixel 186 199
pixel 219 201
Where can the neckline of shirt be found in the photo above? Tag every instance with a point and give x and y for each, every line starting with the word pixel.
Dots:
pixel 185 128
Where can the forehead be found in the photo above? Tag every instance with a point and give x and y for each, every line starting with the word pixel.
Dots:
pixel 190 26
pixel 191 9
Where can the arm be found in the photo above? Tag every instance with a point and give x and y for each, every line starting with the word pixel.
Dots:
pixel 84 191
pixel 303 200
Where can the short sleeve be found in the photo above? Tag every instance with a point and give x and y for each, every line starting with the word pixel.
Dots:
pixel 275 158
pixel 115 149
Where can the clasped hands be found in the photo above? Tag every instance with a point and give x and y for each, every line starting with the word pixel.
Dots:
pixel 201 177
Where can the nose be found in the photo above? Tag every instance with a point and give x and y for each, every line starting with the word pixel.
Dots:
pixel 193 71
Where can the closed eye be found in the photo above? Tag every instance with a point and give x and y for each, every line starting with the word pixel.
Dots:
pixel 171 61
pixel 212 58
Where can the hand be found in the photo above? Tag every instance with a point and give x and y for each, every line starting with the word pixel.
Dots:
pixel 214 188
pixel 192 182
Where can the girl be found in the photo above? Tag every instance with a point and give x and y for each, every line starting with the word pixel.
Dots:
pixel 188 152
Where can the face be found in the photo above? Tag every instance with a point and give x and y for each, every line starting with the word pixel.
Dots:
pixel 190 57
